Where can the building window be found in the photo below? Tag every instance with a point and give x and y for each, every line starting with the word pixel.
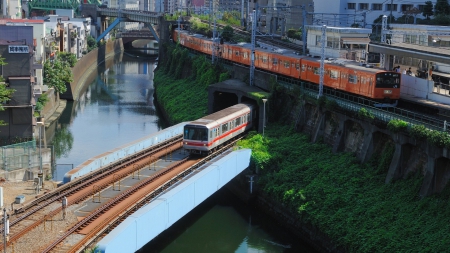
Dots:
pixel 389 8
pixel 351 6
pixel 423 40
pixel 363 6
pixel 407 7
pixel 318 39
pixel 332 42
pixel 421 7
pixel 377 7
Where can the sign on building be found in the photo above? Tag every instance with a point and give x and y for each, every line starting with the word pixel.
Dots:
pixel 18 49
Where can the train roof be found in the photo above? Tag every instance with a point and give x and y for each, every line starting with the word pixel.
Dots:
pixel 222 115
pixel 264 47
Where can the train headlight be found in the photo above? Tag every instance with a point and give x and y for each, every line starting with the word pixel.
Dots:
pixel 387 91
pixel 185 143
pixel 204 145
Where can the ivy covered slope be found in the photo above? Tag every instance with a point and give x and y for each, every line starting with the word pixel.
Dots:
pixel 346 200
pixel 181 84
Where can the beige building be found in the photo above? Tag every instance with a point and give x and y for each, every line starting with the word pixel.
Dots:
pixel 340 42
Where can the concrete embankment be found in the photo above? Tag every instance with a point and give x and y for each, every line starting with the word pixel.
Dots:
pixel 84 69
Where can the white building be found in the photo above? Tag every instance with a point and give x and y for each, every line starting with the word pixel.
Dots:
pixel 68 36
pixel 11 9
pixel 348 12
pixel 340 42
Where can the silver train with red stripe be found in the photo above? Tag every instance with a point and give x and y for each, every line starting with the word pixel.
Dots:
pixel 204 135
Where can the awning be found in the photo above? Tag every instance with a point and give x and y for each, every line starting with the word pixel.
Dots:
pixel 355 40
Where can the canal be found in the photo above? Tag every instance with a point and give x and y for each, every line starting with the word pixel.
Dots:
pixel 117 108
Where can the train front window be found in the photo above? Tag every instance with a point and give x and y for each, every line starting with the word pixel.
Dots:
pixel 388 80
pixel 195 133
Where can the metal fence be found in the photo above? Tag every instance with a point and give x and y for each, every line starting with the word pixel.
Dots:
pixel 354 104
pixel 20 156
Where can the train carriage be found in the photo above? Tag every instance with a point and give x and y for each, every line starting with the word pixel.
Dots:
pixel 206 134
pixel 341 74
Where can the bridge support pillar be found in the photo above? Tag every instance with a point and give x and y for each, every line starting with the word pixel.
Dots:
pixel 103 24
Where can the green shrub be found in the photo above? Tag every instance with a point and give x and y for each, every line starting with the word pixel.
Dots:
pixel 397 125
pixel 365 114
pixel 419 132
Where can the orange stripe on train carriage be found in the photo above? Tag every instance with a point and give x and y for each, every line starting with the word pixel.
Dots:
pixel 200 144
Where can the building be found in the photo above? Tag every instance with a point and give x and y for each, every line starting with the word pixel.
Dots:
pixel 18 29
pixel 362 12
pixel 19 111
pixel 11 9
pixel 341 42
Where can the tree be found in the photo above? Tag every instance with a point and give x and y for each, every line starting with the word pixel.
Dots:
pixel 91 43
pixel 68 57
pixel 442 7
pixel 227 33
pixel 428 9
pixel 56 74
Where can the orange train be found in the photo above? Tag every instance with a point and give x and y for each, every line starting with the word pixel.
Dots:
pixel 345 75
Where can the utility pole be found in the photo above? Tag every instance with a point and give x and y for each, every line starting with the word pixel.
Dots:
pixel 322 60
pixel 210 12
pixel 242 13
pixel 213 52
pixel 252 54
pixel 383 39
pixel 5 229
pixel 390 17
pixel 305 13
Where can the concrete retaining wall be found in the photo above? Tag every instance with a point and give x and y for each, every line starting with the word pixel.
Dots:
pixel 84 67
pixel 127 150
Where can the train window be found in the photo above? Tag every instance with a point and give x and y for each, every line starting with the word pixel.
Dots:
pixel 238 121
pixel 303 67
pixel 230 51
pixel 195 133
pixel 274 61
pixel 352 78
pixel 248 117
pixel 334 74
pixel 287 64
pixel 265 59
pixel 232 124
pixel 316 71
pixel 297 66
pixel 224 127
pixel 211 133
pixel 245 55
pixel 237 53
pixel 363 80
pixel 371 81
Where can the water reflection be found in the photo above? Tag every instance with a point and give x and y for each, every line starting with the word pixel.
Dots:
pixel 114 109
pixel 224 224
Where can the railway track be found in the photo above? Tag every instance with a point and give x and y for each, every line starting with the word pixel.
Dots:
pixel 46 206
pixel 264 39
pixel 110 214
pixel 93 226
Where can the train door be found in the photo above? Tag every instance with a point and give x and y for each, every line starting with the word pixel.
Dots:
pixel 364 85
